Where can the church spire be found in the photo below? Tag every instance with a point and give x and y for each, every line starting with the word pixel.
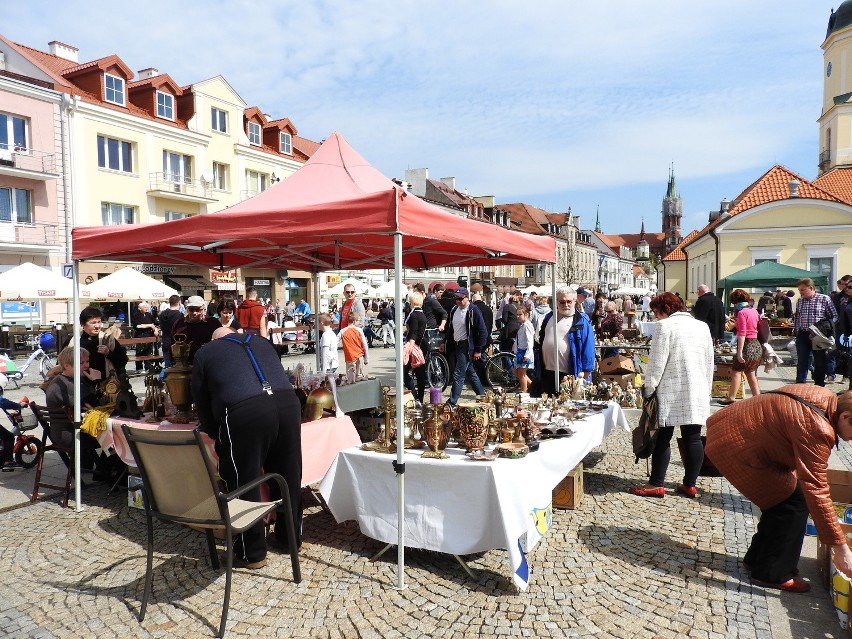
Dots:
pixel 671 191
pixel 598 220
pixel 642 232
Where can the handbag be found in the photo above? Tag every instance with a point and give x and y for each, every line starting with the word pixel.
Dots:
pixel 412 355
pixel 645 434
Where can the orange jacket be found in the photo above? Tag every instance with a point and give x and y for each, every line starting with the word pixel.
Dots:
pixel 250 313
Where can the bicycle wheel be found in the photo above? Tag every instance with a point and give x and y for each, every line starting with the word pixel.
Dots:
pixel 500 371
pixel 45 365
pixel 27 455
pixel 438 371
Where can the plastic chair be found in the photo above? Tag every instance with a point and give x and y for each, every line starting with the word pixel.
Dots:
pixel 170 459
pixel 47 444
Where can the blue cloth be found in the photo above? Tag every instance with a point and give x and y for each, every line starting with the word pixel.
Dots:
pixel 519 359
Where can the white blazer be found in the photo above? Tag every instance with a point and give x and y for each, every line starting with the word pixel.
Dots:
pixel 680 369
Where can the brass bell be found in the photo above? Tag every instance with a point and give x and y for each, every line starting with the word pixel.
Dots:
pixel 319 399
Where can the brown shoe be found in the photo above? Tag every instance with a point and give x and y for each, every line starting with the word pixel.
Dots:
pixel 796 584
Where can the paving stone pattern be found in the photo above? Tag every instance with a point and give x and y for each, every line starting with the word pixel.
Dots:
pixel 619 566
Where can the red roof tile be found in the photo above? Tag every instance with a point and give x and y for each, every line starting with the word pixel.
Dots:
pixel 527 218
pixel 631 240
pixel 51 63
pixel 838 182
pixel 677 254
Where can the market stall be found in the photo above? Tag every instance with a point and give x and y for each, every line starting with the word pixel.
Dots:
pixel 336 212
pixel 769 276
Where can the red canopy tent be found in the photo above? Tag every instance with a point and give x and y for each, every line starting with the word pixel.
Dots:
pixel 336 212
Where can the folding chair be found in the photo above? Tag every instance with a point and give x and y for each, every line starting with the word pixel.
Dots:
pixel 47 444
pixel 179 485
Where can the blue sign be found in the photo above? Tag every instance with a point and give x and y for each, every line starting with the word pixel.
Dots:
pixel 19 310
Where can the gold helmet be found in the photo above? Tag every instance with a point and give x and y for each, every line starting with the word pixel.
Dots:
pixel 318 400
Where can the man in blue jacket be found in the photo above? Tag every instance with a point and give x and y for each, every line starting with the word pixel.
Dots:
pixel 467 336
pixel 575 336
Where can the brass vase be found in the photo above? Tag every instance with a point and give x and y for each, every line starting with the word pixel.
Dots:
pixel 473 424
pixel 179 379
pixel 436 433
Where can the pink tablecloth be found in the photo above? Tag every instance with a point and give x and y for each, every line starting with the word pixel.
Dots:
pixel 321 441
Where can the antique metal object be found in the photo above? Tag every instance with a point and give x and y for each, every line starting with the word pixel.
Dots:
pixel 384 443
pixel 436 432
pixel 179 379
pixel 319 400
pixel 473 424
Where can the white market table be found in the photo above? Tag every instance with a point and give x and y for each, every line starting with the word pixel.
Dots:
pixel 458 506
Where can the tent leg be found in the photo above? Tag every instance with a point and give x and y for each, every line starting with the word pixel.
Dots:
pixel 399 466
pixel 376 557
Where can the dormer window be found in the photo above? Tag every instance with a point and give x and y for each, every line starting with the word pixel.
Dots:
pixel 286 143
pixel 113 89
pixel 165 105
pixel 254 133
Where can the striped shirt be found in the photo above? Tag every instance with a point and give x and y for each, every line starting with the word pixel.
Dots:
pixel 810 311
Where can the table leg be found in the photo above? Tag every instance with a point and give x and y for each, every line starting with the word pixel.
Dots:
pixel 375 557
pixel 465 567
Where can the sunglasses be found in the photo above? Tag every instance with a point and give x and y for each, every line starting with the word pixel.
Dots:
pixel 349 292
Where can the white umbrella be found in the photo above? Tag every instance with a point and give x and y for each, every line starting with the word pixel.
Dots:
pixel 385 289
pixel 360 287
pixel 128 284
pixel 31 282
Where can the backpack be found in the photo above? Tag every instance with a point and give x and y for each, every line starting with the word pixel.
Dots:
pixel 645 434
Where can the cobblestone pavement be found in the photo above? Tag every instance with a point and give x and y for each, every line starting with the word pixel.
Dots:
pixel 619 566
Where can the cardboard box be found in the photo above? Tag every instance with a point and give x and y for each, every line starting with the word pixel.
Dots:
pixel 840 487
pixel 617 364
pixel 569 492
pixel 723 372
pixel 720 389
pixel 135 492
pixel 622 379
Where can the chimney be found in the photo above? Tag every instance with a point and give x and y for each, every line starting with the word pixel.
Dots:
pixel 2 61
pixel 724 209
pixel 450 182
pixel 794 185
pixel 62 50
pixel 417 179
pixel 144 74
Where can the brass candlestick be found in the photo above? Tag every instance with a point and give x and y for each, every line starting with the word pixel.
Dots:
pixel 384 443
pixel 179 379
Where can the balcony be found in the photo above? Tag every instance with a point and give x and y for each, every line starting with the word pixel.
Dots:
pixel 45 237
pixel 824 159
pixel 174 187
pixel 28 163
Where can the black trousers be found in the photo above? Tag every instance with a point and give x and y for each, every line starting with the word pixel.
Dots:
pixel 777 544
pixel 264 431
pixel 662 455
pixel 420 377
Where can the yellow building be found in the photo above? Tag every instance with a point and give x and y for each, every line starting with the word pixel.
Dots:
pixel 782 216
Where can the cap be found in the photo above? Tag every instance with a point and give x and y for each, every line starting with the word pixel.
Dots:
pixel 460 293
pixel 583 291
pixel 196 302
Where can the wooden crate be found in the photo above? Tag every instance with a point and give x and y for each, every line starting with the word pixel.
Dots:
pixel 569 492
pixel 720 389
pixel 616 365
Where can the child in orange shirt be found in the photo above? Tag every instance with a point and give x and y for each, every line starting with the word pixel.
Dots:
pixel 355 348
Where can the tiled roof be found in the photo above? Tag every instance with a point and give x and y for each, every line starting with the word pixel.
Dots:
pixel 560 219
pixel 282 123
pixel 305 146
pixel 100 63
pixel 838 182
pixel 677 254
pixel 52 63
pixel 157 82
pixel 631 240
pixel 772 186
pixel 452 197
pixel 527 218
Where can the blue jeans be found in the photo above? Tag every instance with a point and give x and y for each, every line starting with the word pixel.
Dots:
pixel 464 367
pixel 804 350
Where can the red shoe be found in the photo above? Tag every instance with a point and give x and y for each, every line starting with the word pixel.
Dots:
pixel 653 491
pixel 796 584
pixel 687 491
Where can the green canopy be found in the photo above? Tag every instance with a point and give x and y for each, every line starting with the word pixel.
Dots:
pixel 768 276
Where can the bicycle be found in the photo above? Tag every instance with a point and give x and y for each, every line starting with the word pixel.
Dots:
pixel 500 369
pixel 27 448
pixel 437 368
pixel 45 361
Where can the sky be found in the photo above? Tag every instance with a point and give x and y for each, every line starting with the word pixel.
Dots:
pixel 555 103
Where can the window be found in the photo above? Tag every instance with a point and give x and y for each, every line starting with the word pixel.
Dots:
pixel 174 215
pixel 822 260
pixel 16 205
pixel 219 120
pixel 114 154
pixel 114 89
pixel 765 254
pixel 165 105
pixel 13 133
pixel 177 167
pixel 254 133
pixel 529 271
pixel 822 266
pixel 286 143
pixel 256 182
pixel 220 176
pixel 113 214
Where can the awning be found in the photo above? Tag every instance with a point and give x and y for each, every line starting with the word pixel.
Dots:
pixel 188 282
pixel 506 281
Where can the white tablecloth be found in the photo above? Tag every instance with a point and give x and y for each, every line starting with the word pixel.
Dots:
pixel 459 506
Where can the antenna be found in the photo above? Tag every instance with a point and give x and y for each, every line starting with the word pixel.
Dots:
pixel 207 177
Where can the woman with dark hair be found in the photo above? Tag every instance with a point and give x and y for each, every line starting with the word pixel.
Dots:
pixel 680 371
pixel 227 309
pixel 749 351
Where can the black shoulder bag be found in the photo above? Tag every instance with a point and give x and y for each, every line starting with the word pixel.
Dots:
pixel 645 434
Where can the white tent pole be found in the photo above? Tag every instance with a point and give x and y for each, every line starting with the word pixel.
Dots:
pixel 399 466
pixel 555 319
pixel 75 340
pixel 316 310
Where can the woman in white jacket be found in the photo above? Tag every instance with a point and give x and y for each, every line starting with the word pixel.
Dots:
pixel 680 370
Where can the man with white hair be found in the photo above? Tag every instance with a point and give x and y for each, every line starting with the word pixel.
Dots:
pixel 574 336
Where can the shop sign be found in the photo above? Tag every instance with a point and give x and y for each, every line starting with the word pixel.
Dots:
pixel 332 279
pixel 155 268
pixel 258 282
pixel 223 277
